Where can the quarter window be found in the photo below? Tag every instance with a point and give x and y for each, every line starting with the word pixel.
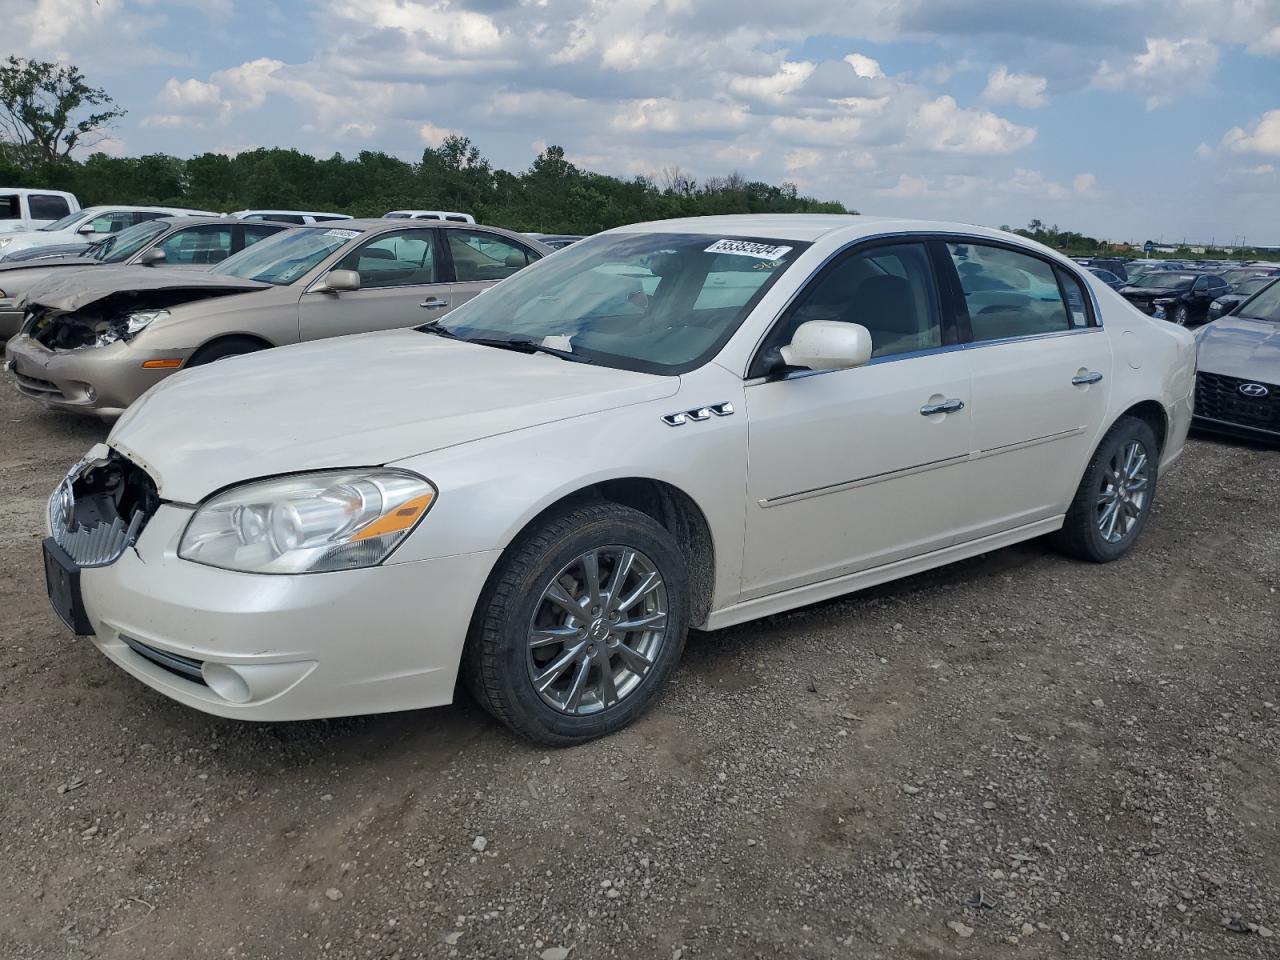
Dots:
pixel 485 256
pixel 10 207
pixel 1077 298
pixel 1008 294
pixel 46 206
pixel 397 259
pixel 887 289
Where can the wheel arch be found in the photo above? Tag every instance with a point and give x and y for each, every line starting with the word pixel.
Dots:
pixel 1153 414
pixel 667 504
pixel 262 342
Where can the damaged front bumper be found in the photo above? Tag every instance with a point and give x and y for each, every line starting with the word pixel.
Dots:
pixel 93 380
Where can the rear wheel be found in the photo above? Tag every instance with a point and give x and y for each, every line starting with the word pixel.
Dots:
pixel 1114 499
pixel 226 347
pixel 580 626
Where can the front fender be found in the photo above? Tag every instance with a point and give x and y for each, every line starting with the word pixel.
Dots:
pixel 491 489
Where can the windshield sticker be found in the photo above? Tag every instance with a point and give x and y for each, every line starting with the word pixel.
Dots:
pixel 746 248
pixel 343 234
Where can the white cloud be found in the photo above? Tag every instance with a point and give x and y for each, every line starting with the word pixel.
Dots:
pixel 433 136
pixel 775 86
pixel 1263 138
pixel 1019 89
pixel 1167 70
pixel 864 67
pixel 944 126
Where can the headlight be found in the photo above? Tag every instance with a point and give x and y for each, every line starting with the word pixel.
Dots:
pixel 310 523
pixel 129 326
pixel 5 241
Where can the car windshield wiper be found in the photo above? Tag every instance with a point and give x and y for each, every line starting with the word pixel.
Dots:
pixel 518 344
pixel 433 326
pixel 525 345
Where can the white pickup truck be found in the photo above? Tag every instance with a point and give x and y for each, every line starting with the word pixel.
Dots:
pixel 23 209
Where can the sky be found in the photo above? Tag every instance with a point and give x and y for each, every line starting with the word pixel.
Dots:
pixel 1124 119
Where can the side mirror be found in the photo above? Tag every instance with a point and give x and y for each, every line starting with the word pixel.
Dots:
pixel 152 257
pixel 340 281
pixel 828 345
pixel 86 228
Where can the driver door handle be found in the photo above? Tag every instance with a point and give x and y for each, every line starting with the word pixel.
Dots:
pixel 946 406
pixel 1080 379
pixel 432 303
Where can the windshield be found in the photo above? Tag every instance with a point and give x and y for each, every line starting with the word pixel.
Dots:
pixel 119 247
pixel 1248 288
pixel 70 220
pixel 651 302
pixel 285 257
pixel 1167 281
pixel 1263 306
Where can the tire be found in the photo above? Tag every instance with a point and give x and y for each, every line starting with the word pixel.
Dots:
pixel 1088 532
pixel 500 663
pixel 1179 315
pixel 221 349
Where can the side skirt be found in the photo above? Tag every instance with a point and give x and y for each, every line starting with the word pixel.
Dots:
pixel 850 583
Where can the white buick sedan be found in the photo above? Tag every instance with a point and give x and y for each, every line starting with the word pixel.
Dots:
pixel 670 425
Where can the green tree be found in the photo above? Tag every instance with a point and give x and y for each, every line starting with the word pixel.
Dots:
pixel 39 104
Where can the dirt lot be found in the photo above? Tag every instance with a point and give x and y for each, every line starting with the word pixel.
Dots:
pixel 1017 756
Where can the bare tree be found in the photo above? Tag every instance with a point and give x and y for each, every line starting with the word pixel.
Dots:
pixel 39 102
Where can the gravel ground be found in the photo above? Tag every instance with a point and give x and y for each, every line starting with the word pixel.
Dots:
pixel 1015 756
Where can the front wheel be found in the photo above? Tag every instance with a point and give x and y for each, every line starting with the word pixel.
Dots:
pixel 1180 315
pixel 581 624
pixel 1114 499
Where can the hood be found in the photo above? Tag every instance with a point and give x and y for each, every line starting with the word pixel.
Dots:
pixel 7 266
pixel 354 401
pixel 70 292
pixel 1239 347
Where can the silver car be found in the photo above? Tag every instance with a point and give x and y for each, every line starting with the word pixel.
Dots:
pixel 192 242
pixel 1238 361
pixel 96 340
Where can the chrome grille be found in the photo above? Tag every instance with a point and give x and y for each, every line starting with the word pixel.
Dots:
pixel 107 534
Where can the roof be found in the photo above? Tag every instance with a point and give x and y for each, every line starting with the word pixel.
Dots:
pixel 809 226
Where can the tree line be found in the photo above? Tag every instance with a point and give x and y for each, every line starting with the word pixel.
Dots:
pixel 48 110
pixel 552 196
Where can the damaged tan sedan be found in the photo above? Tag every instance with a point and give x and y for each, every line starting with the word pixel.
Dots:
pixel 95 341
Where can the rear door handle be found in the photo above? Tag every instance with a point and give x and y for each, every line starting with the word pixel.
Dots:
pixel 1081 379
pixel 945 406
pixel 432 303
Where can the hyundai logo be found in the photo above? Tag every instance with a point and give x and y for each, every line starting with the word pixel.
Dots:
pixel 1255 390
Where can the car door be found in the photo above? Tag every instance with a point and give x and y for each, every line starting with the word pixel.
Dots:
pixel 1041 376
pixel 479 259
pixel 856 468
pixel 401 285
pixel 1214 288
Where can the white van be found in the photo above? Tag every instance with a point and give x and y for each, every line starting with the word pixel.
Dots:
pixel 290 216
pixel 23 209
pixel 449 215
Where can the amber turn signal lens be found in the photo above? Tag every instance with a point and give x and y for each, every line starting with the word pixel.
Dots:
pixel 161 364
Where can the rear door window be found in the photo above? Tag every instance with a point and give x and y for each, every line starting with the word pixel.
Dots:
pixel 485 256
pixel 1008 294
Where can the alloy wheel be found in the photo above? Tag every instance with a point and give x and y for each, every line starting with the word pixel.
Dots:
pixel 1123 494
pixel 597 630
